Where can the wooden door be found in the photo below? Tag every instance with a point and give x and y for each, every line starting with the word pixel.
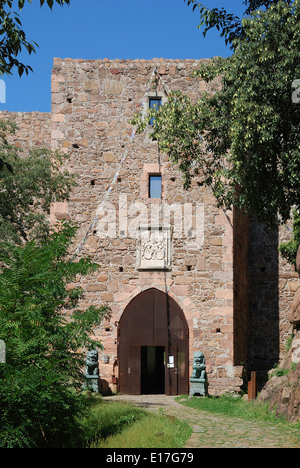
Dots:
pixel 134 370
pixel 153 319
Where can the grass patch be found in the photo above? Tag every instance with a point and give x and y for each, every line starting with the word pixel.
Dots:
pixel 105 419
pixel 120 425
pixel 151 431
pixel 236 407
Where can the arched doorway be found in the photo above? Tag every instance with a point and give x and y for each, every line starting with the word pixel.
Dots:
pixel 153 346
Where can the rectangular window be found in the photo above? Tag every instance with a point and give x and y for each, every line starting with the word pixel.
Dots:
pixel 154 103
pixel 155 186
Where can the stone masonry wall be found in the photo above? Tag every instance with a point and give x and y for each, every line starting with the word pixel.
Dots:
pixel 92 103
pixel 33 129
pixel 272 285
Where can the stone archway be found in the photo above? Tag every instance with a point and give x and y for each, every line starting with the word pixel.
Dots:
pixel 153 346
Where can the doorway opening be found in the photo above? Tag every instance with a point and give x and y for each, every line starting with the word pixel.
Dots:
pixel 152 370
pixel 153 346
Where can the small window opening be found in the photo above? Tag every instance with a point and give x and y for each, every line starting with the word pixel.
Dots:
pixel 121 269
pixel 155 186
pixel 154 103
pixel 69 100
pixel 189 267
pixel 93 182
pixel 218 330
pixel 75 146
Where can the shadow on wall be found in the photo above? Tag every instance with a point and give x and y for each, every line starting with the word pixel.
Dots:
pixel 263 299
pixel 105 388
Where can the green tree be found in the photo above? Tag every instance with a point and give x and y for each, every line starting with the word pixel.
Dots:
pixel 289 249
pixel 243 140
pixel 12 37
pixel 229 25
pixel 45 331
pixel 29 185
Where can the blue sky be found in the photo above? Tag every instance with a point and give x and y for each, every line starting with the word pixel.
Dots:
pixel 95 29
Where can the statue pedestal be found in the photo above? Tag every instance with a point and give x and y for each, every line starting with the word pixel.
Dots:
pixel 198 387
pixel 93 383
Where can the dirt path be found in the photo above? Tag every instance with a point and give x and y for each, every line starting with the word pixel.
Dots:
pixel 217 431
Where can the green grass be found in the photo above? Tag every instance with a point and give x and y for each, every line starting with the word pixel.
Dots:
pixel 152 431
pixel 235 407
pixel 120 425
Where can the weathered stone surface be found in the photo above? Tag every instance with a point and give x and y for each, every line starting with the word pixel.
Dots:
pixel 282 392
pixel 298 260
pixel 294 316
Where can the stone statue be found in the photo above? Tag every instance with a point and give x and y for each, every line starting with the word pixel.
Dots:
pixel 92 363
pixel 92 371
pixel 198 378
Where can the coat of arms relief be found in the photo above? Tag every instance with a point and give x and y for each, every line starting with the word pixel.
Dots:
pixel 154 248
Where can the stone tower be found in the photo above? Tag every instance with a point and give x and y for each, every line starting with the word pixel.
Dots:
pixel 179 274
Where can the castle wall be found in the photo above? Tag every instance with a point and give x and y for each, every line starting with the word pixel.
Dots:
pixel 32 129
pixel 225 273
pixel 272 285
pixel 92 103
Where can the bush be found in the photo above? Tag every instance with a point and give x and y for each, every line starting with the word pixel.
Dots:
pixel 40 391
pixel 107 419
pixel 116 425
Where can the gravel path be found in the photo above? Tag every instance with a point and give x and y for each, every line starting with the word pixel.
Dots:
pixel 217 431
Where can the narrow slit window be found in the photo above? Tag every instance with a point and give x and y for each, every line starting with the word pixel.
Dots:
pixel 155 186
pixel 154 103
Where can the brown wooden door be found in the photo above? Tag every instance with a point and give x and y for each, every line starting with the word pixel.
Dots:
pixel 134 370
pixel 153 319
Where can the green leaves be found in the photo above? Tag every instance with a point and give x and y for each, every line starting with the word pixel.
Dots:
pixel 43 327
pixel 243 139
pixel 29 184
pixel 229 25
pixel 289 249
pixel 13 38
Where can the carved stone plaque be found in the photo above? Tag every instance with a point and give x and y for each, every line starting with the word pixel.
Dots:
pixel 154 248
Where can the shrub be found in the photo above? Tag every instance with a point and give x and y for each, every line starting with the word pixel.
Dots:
pixel 40 392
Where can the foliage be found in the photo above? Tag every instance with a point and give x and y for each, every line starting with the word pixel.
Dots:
pixel 229 25
pixel 12 37
pixel 28 188
pixel 234 407
pixel 289 249
pixel 243 137
pixel 279 371
pixel 44 331
pixel 146 431
pixel 106 419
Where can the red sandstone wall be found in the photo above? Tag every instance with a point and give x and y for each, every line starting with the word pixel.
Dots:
pixel 92 103
pixel 33 129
